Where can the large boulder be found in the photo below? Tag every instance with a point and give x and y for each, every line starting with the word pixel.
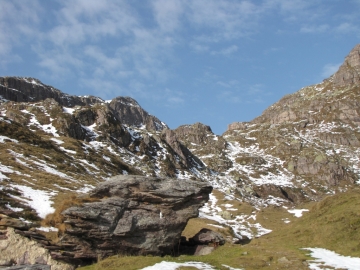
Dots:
pixel 131 215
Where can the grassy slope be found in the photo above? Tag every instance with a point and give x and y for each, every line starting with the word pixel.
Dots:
pixel 333 223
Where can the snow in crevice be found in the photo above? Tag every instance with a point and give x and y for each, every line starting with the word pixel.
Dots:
pixel 241 225
pixel 90 130
pixel 48 128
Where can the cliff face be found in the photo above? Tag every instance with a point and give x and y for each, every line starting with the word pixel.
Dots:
pixel 349 72
pixel 21 89
pixel 129 112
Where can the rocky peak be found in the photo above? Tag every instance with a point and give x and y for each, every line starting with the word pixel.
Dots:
pixel 26 89
pixel 196 133
pixel 129 112
pixel 125 109
pixel 349 72
pixel 237 126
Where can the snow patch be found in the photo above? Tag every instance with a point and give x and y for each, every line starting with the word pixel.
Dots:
pixel 57 141
pixel 298 212
pixel 329 258
pixel 3 138
pixel 68 110
pixel 39 200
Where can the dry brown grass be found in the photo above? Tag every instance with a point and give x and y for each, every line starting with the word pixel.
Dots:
pixel 56 219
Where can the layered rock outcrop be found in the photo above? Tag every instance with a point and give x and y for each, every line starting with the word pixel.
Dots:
pixel 133 215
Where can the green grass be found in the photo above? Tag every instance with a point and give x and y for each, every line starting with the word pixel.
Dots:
pixel 333 223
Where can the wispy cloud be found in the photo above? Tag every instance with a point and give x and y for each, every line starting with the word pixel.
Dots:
pixel 19 21
pixel 173 97
pixel 132 45
pixel 347 27
pixel 80 20
pixel 314 28
pixel 230 96
pixel 222 19
pixel 168 14
pixel 226 51
pixel 256 89
pixel 329 69
pixel 228 84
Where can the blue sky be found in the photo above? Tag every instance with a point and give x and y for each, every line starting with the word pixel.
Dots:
pixel 184 61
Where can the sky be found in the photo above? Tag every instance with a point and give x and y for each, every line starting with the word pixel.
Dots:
pixel 184 61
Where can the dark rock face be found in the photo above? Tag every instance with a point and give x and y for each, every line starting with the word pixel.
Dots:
pixel 186 157
pixel 134 215
pixel 32 90
pixel 129 112
pixel 202 141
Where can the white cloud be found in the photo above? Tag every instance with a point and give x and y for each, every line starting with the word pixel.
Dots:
pixel 329 69
pixel 346 27
pixel 296 10
pixel 226 51
pixel 173 97
pixel 103 88
pixel 19 20
pixel 108 64
pixel 199 48
pixel 167 14
pixel 255 89
pixel 222 19
pixel 176 100
pixel 58 62
pixel 91 19
pixel 231 83
pixel 314 28
pixel 230 96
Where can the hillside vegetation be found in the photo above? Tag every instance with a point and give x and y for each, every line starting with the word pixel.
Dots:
pixel 332 223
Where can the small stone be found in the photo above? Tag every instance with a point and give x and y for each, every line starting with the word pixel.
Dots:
pixel 283 260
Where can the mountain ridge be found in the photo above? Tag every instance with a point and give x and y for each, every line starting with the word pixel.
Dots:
pixel 302 148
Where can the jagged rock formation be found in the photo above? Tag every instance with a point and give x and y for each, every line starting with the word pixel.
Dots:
pixel 125 109
pixel 130 113
pixel 313 131
pixel 202 142
pixel 133 215
pixel 32 90
pixel 83 144
pixel 349 72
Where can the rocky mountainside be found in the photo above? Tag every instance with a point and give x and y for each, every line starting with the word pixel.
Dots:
pixel 300 149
